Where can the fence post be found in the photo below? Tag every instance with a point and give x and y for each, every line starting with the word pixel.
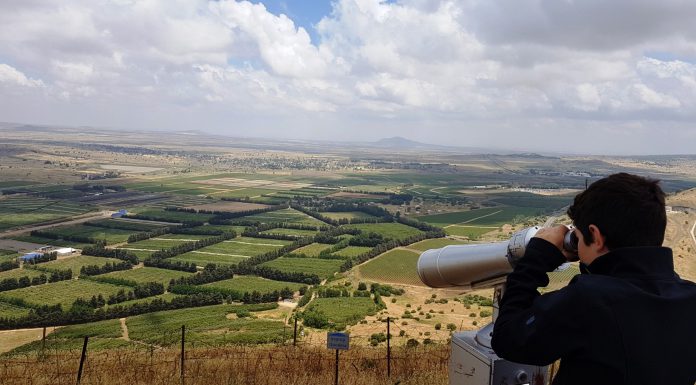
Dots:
pixel 82 360
pixel 388 348
pixel 336 376
pixel 43 344
pixel 294 335
pixel 183 352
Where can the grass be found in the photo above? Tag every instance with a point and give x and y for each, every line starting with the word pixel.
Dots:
pixel 492 216
pixel 23 210
pixel 352 251
pixel 434 244
pixel 18 273
pixel 324 268
pixel 344 310
pixel 387 230
pixel 148 274
pixel 208 325
pixel 48 241
pixel 111 236
pixel 395 266
pixel 346 215
pixel 312 250
pixel 11 311
pixel 285 216
pixel 252 283
pixel 470 232
pixel 201 259
pixel 63 292
pixel 76 263
pixel 293 232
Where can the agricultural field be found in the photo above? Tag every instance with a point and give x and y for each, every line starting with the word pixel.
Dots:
pixel 324 268
pixel 8 255
pixel 125 224
pixel 435 243
pixel 23 210
pixel 209 325
pixel 351 251
pixel 312 250
pixel 293 232
pixel 172 216
pixel 110 236
pixel 247 283
pixel 346 215
pixel 343 311
pixel 232 251
pixel 19 273
pixel 164 297
pixel 285 216
pixel 394 266
pixel 487 217
pixel 75 263
pixel 470 232
pixel 63 292
pixel 49 241
pixel 147 274
pixel 143 249
pixel 387 230
pixel 227 206
pixel 12 311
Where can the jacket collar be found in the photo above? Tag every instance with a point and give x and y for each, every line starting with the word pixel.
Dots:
pixel 634 261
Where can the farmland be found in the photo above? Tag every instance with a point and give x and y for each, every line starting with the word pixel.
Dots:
pixel 395 266
pixel 387 230
pixel 231 251
pixel 23 210
pixel 347 215
pixel 63 292
pixel 434 244
pixel 285 216
pixel 324 268
pixel 171 216
pixel 292 232
pixel 110 236
pixel 19 273
pixel 312 250
pixel 147 274
pixel 75 263
pixel 252 283
pixel 12 311
pixel 343 310
pixel 352 251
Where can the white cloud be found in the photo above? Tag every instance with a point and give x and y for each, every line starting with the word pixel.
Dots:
pixel 492 65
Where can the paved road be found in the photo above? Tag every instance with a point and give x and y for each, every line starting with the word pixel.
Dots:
pixel 81 219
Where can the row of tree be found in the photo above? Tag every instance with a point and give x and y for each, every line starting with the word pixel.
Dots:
pixel 66 237
pixel 107 268
pixel 190 246
pixel 26 281
pixel 99 250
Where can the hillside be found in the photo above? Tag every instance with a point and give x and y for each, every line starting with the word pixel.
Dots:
pixel 680 233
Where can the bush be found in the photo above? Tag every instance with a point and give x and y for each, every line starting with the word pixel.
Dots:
pixel 438 326
pixel 412 343
pixel 451 327
pixel 485 313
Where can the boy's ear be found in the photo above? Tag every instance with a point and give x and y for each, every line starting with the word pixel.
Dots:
pixel 598 240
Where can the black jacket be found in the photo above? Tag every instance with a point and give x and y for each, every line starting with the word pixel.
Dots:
pixel 628 319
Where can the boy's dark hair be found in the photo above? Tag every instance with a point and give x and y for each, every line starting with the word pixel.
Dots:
pixel 628 209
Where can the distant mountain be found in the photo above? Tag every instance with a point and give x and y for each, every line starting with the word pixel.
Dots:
pixel 403 143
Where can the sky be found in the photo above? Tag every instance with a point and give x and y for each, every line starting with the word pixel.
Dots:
pixel 567 76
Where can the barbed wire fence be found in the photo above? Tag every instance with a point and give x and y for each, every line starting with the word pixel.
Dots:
pixel 183 356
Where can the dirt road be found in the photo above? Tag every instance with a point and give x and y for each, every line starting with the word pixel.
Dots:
pixel 77 220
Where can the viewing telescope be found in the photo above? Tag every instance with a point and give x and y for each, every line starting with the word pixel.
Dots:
pixel 479 266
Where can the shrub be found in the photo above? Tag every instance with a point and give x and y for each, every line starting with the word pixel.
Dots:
pixel 412 343
pixel 438 326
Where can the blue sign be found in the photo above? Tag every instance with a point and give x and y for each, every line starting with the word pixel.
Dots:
pixel 338 341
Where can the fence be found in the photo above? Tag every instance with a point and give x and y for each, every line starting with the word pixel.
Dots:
pixel 197 362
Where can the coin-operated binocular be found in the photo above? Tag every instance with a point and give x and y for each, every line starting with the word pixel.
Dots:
pixel 479 266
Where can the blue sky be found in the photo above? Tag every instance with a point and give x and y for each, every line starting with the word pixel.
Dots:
pixel 594 77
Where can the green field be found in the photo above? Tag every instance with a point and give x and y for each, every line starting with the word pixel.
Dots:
pixel 247 283
pixel 346 215
pixel 471 232
pixel 324 268
pixel 173 216
pixel 352 251
pixel 143 249
pixel 285 216
pixel 434 244
pixel 312 250
pixel 492 216
pixel 23 210
pixel 232 251
pixel 110 236
pixel 11 311
pixel 48 241
pixel 344 310
pixel 165 297
pixel 387 230
pixel 125 224
pixel 148 274
pixel 75 263
pixel 395 266
pixel 63 292
pixel 202 258
pixel 19 273
pixel 207 325
pixel 293 232
pixel 243 193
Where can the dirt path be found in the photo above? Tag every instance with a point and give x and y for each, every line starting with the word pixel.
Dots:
pixel 124 330
pixel 82 219
pixel 693 236
pixel 10 339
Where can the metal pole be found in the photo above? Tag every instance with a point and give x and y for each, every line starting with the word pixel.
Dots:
pixel 82 360
pixel 336 382
pixel 43 343
pixel 388 348
pixel 294 337
pixel 183 352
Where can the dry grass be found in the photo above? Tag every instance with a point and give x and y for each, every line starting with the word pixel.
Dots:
pixel 283 365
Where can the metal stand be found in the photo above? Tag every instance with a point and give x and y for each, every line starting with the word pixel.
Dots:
pixel 473 362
